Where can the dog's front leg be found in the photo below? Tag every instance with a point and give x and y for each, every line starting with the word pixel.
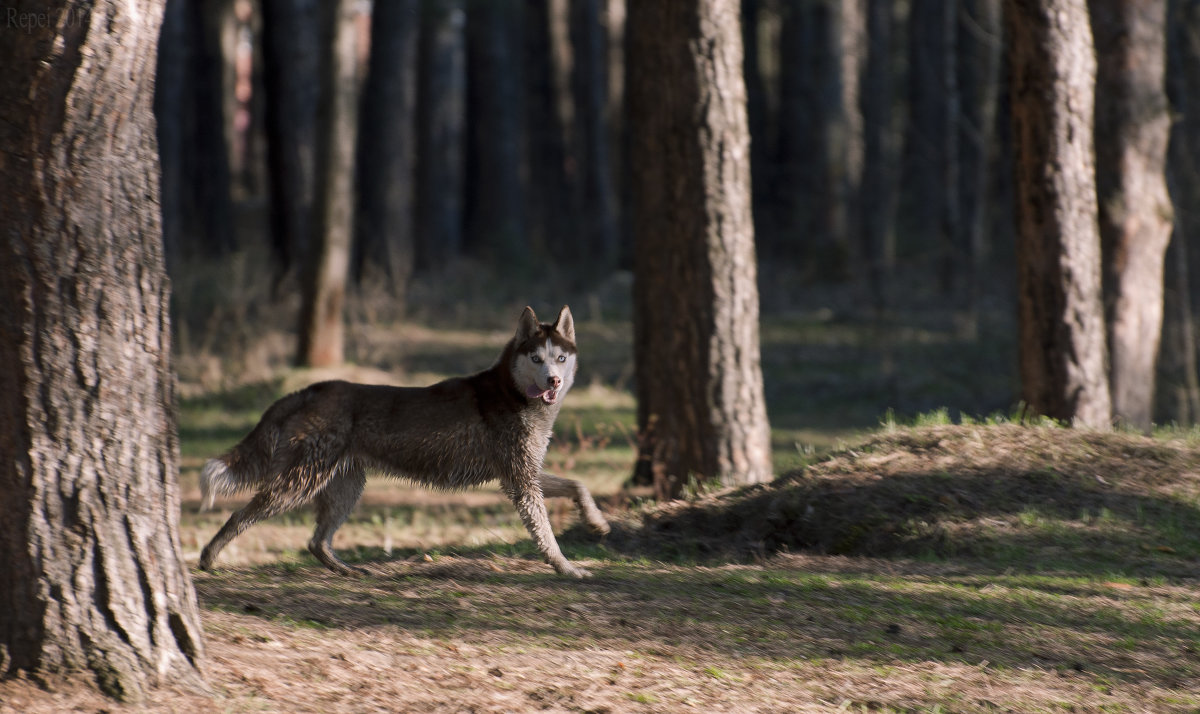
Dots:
pixel 532 509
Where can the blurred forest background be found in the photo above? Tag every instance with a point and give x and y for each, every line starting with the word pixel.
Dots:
pixel 487 149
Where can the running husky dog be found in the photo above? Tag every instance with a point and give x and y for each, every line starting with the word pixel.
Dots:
pixel 495 425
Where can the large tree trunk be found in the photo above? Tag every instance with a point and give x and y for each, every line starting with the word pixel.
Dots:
pixel 387 147
pixel 323 288
pixel 291 64
pixel 441 132
pixel 1061 333
pixel 94 579
pixel 701 410
pixel 1132 128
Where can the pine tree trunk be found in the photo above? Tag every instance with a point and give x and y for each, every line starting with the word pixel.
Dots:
pixel 495 187
pixel 981 93
pixel 1061 321
pixel 546 66
pixel 94 579
pixel 441 132
pixel 950 169
pixel 323 287
pixel 387 147
pixel 883 121
pixel 189 105
pixel 701 411
pixel 291 59
pixel 599 225
pixel 1132 128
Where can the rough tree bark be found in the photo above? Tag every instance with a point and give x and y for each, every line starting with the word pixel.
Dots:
pixel 1132 129
pixel 701 410
pixel 291 64
pixel 387 147
pixel 323 286
pixel 1063 360
pixel 94 579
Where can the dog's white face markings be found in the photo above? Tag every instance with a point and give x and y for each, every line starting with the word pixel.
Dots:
pixel 545 373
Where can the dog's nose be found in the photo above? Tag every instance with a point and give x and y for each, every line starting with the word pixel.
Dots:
pixel 555 380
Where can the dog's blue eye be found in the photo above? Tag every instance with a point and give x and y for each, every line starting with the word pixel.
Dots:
pixel 562 358
pixel 535 359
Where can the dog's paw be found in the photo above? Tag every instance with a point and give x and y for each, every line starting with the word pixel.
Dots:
pixel 573 571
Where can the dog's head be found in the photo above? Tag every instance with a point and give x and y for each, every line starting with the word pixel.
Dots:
pixel 543 363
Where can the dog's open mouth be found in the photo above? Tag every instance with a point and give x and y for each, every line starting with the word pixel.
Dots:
pixel 548 396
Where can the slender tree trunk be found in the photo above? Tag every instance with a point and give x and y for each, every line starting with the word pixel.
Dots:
pixel 848 164
pixel 701 410
pixel 441 132
pixel 923 167
pixel 198 212
pixel 1062 348
pixel 984 41
pixel 591 100
pixel 495 190
pixel 387 146
pixel 1178 363
pixel 291 58
pixel 756 113
pixel 801 146
pixel 323 289
pixel 883 121
pixel 950 170
pixel 548 200
pixel 94 579
pixel 1132 128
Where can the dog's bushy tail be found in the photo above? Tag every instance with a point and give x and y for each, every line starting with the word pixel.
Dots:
pixel 249 463
pixel 217 478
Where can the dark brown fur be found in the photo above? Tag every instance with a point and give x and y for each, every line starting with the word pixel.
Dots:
pixel 317 443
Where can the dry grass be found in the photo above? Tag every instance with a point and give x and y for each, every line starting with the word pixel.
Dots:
pixel 462 617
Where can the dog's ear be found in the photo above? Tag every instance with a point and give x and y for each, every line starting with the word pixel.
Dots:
pixel 528 326
pixel 565 324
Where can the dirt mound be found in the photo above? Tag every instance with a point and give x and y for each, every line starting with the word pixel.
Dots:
pixel 954 491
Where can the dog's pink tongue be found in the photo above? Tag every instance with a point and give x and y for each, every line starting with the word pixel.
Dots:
pixel 533 392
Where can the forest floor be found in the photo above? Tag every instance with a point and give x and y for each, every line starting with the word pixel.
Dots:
pixel 933 567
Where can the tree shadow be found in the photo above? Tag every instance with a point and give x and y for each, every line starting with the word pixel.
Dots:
pixel 1017 519
pixel 776 613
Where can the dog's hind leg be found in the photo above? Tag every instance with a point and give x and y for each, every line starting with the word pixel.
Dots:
pixel 555 486
pixel 334 505
pixel 266 503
